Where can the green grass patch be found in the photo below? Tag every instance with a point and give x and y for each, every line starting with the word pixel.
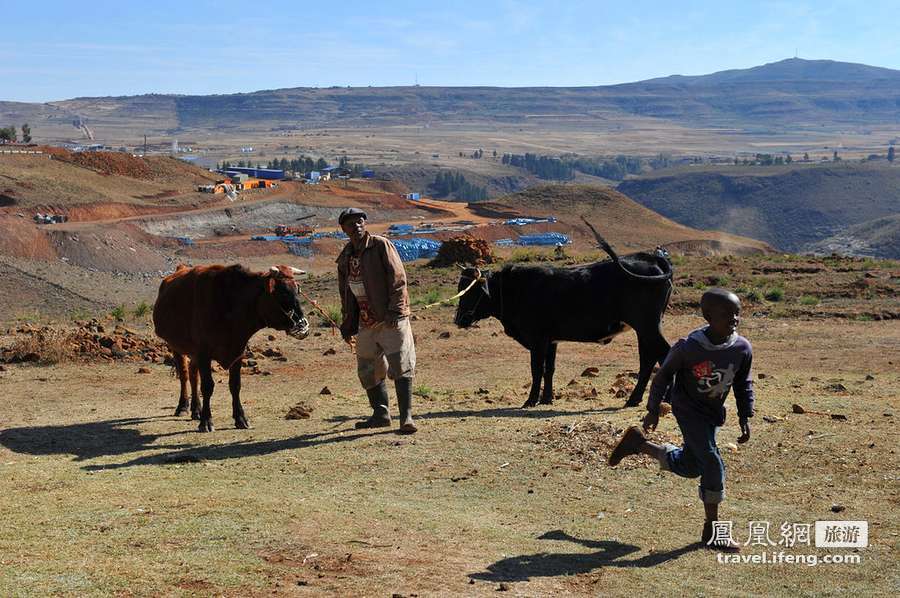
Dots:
pixel 775 294
pixel 430 296
pixel 141 310
pixel 333 311
pixel 753 296
pixel 118 312
pixel 809 300
pixel 423 391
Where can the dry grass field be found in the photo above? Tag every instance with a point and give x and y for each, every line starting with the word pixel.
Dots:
pixel 105 492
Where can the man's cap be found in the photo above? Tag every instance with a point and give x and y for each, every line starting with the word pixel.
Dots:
pixel 350 213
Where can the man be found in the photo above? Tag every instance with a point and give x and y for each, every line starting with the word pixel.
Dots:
pixel 375 309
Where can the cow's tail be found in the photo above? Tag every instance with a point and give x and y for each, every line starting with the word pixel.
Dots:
pixel 666 275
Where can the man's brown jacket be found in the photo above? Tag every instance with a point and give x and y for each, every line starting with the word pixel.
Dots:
pixel 384 279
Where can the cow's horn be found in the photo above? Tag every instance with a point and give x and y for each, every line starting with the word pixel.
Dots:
pixel 274 269
pixel 298 271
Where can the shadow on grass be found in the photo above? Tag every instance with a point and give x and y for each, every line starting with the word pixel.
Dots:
pixel 238 450
pixel 85 440
pixel 607 553
pixel 533 413
pixel 115 437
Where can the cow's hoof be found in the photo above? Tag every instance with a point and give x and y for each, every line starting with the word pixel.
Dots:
pixel 181 411
pixel 195 415
pixel 633 402
pixel 529 403
pixel 241 423
pixel 206 425
pixel 547 401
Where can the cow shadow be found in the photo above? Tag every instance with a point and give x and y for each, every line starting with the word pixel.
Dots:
pixel 117 437
pixel 85 440
pixel 607 553
pixel 238 450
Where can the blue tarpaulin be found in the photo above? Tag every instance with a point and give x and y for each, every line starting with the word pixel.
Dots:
pixel 416 248
pixel 544 239
pixel 535 239
pixel 401 229
pixel 524 221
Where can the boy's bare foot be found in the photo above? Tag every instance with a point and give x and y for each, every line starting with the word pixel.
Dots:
pixel 630 444
pixel 721 544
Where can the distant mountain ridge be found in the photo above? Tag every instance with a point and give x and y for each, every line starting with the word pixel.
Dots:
pixel 797 92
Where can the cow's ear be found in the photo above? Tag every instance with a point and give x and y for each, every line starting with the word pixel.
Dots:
pixel 270 284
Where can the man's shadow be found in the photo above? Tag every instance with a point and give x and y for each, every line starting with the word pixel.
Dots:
pixel 608 553
pixel 496 412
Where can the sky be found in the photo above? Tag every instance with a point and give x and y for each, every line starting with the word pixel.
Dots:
pixel 59 49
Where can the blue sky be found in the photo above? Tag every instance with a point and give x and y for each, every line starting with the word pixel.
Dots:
pixel 54 50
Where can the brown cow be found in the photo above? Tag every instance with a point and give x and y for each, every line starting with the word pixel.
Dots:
pixel 210 312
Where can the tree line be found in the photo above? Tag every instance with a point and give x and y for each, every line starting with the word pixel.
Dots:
pixel 543 167
pixel 455 184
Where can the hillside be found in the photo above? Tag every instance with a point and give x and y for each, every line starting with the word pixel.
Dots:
pixel 62 178
pixel 623 222
pixel 791 209
pixel 877 238
pixel 794 93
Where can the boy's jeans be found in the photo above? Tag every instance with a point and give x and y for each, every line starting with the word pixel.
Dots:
pixel 699 457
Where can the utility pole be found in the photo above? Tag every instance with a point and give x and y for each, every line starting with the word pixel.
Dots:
pixel 145 144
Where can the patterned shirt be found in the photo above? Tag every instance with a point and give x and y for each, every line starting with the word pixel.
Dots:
pixel 355 279
pixel 701 375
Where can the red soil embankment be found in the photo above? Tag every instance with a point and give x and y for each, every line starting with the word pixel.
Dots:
pixel 23 238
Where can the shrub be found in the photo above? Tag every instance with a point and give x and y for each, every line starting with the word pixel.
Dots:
pixel 809 300
pixel 775 294
pixel 334 312
pixel 432 296
pixel 753 296
pixel 46 347
pixel 141 310
pixel 118 313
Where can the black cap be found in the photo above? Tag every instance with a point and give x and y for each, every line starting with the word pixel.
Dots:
pixel 350 213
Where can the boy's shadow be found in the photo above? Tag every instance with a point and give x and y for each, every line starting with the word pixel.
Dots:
pixel 608 553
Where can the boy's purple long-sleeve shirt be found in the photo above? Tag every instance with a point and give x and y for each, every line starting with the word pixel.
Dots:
pixel 703 373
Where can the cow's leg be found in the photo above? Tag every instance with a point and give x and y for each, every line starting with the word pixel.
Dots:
pixel 549 368
pixel 195 383
pixel 234 385
pixel 206 387
pixel 537 372
pixel 181 368
pixel 652 347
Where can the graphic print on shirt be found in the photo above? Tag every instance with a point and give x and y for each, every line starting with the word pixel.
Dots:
pixel 359 291
pixel 714 383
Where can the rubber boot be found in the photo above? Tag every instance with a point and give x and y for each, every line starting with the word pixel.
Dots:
pixel 378 399
pixel 404 401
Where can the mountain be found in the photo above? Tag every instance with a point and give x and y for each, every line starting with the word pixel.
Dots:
pixel 792 70
pixel 793 92
pixel 792 208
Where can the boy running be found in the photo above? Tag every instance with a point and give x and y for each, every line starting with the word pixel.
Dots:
pixel 704 367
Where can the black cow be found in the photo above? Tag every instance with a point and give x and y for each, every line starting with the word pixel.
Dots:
pixel 540 306
pixel 210 312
